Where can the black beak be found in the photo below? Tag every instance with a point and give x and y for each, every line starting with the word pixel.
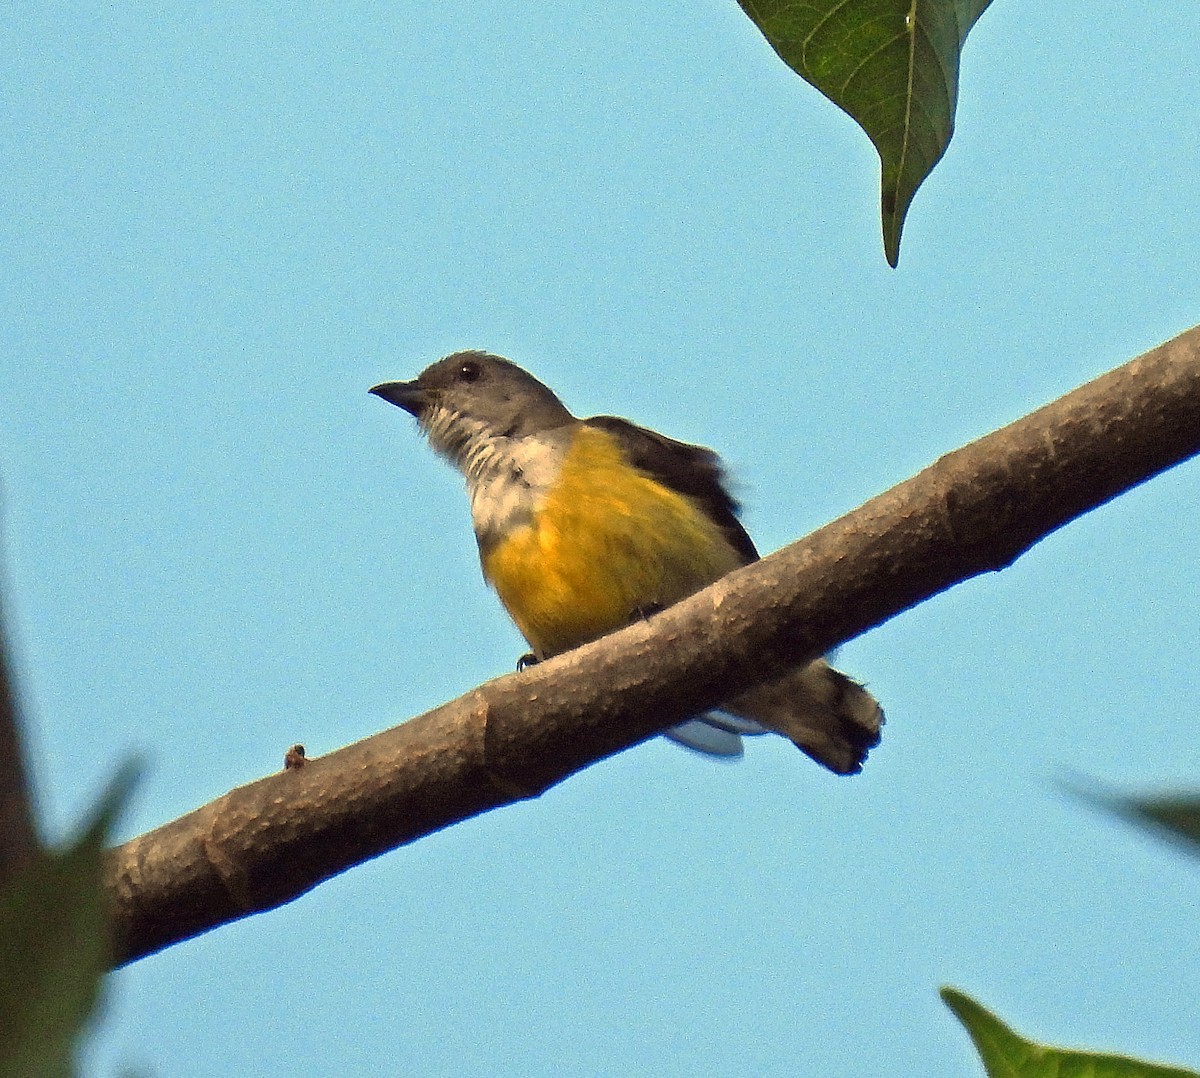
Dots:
pixel 407 395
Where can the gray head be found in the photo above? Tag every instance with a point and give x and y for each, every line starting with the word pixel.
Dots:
pixel 469 400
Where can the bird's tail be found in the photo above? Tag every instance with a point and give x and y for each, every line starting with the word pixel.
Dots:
pixel 826 714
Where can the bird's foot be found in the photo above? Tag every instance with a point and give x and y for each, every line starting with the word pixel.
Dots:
pixel 645 611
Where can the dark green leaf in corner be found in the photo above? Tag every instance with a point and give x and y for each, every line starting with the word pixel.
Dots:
pixel 892 65
pixel 54 948
pixel 1007 1055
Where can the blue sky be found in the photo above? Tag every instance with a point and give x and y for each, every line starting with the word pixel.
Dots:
pixel 220 227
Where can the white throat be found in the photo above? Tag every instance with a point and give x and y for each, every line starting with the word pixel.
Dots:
pixel 507 478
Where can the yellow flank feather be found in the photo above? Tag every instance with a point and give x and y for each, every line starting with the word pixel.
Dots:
pixel 606 542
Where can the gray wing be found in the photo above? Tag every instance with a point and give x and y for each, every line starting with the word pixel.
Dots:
pixel 686 469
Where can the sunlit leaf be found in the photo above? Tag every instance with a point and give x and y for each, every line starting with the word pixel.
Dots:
pixel 1007 1055
pixel 892 65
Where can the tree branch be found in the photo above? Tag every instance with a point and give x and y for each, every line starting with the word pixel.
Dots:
pixel 974 510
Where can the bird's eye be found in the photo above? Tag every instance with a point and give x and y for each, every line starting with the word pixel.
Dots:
pixel 469 371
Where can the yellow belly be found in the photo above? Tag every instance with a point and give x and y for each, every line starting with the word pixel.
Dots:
pixel 606 543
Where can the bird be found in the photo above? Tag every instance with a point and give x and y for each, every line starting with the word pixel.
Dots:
pixel 584 525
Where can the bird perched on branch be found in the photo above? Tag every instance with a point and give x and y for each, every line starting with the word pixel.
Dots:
pixel 586 524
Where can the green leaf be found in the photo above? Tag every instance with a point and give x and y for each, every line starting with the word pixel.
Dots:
pixel 1179 816
pixel 1007 1055
pixel 54 947
pixel 1175 816
pixel 892 65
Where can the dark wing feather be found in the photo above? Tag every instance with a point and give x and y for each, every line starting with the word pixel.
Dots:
pixel 685 469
